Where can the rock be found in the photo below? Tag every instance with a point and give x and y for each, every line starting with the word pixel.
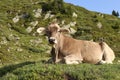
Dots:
pixel 74 15
pixel 99 25
pixel 19 49
pixel 63 22
pixel 13 37
pixel 9 25
pixel 4 41
pixel 8 49
pixel 36 41
pixel 72 23
pixel 37 13
pixel 102 15
pixel 34 23
pixel 25 15
pixel 47 15
pixel 34 34
pixel 51 16
pixel 66 26
pixel 118 32
pixel 118 61
pixel 29 29
pixel 72 31
pixel 29 56
pixel 16 19
pixel 17 43
pixel 16 38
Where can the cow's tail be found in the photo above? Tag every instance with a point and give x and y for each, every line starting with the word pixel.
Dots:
pixel 108 54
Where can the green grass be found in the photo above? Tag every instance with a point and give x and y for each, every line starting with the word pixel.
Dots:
pixel 44 71
pixel 25 58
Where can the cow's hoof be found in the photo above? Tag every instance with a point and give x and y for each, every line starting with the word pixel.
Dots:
pixel 102 62
pixel 50 61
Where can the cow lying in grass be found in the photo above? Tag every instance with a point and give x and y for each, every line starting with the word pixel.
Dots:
pixel 72 51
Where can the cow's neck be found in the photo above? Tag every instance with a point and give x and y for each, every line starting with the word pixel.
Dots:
pixel 59 41
pixel 64 40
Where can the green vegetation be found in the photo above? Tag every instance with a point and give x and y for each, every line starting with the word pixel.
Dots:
pixel 23 52
pixel 45 71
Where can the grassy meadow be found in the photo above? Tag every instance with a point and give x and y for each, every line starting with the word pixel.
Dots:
pixel 24 52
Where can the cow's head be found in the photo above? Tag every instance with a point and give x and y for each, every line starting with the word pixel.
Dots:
pixel 53 32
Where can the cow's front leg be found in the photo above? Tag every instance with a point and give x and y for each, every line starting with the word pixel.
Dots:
pixel 54 55
pixel 57 56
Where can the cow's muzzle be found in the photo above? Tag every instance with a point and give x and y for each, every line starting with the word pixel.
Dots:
pixel 52 40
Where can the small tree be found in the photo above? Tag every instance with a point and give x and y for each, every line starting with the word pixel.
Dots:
pixel 115 13
pixel 58 5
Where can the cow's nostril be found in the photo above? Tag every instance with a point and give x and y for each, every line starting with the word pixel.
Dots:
pixel 51 40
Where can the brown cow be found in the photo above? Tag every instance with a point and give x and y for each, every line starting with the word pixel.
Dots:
pixel 72 51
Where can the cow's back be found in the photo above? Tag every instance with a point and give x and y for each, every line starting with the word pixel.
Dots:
pixel 91 52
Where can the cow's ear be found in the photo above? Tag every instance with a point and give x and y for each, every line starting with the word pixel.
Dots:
pixel 66 31
pixel 41 30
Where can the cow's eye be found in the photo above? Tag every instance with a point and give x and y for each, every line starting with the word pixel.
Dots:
pixel 48 33
pixel 59 31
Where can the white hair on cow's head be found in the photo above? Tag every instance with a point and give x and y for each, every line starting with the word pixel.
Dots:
pixel 54 24
pixel 57 25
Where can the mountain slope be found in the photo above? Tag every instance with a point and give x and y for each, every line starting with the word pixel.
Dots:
pixel 20 19
pixel 25 51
